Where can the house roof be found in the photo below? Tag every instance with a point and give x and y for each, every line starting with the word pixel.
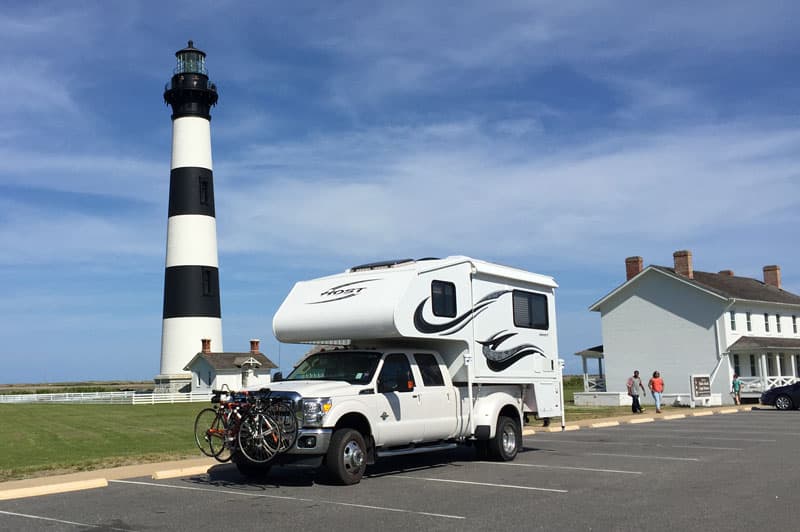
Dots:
pixel 721 285
pixel 231 360
pixel 734 287
pixel 592 352
pixel 761 343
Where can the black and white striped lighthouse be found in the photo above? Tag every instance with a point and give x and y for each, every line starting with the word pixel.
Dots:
pixel 191 280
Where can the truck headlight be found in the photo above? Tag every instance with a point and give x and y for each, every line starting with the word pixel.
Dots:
pixel 314 410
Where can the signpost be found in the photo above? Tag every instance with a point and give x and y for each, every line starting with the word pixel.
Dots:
pixel 700 387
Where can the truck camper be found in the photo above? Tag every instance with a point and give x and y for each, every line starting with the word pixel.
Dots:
pixel 416 356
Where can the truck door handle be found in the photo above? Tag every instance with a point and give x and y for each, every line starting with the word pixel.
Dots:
pixel 415 396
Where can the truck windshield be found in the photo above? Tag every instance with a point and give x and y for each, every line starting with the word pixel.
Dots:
pixel 355 367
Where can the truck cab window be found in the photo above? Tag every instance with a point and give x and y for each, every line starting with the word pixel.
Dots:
pixel 429 368
pixel 443 299
pixel 396 375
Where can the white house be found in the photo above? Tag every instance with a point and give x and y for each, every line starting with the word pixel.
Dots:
pixel 213 371
pixel 682 322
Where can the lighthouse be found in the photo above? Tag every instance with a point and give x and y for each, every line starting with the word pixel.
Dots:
pixel 191 278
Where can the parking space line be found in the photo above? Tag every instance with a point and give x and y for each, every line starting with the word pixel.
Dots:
pixel 654 437
pixel 722 430
pixel 647 457
pixel 287 498
pixel 62 521
pixel 542 466
pixel 708 448
pixel 511 486
pixel 590 442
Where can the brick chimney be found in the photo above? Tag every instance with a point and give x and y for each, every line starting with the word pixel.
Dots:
pixel 772 275
pixel 633 267
pixel 206 345
pixel 683 263
pixel 729 273
pixel 254 346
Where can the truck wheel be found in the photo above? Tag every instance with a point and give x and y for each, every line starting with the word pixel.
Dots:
pixel 347 458
pixel 507 441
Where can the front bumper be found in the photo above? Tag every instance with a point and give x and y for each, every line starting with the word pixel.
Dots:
pixel 312 442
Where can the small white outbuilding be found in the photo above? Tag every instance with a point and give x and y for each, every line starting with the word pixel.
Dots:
pixel 235 371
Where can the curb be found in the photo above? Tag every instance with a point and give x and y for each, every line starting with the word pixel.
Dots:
pixel 50 489
pixel 566 428
pixel 183 472
pixel 637 420
pixel 603 424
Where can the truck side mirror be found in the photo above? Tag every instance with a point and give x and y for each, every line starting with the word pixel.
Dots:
pixel 277 377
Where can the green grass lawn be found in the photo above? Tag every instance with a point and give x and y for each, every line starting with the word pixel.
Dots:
pixel 55 438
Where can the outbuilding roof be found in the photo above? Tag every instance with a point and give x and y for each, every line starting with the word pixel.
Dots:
pixel 220 361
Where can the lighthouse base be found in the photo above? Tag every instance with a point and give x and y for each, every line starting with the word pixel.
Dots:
pixel 181 382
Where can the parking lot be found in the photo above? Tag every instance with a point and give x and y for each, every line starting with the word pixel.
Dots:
pixel 717 472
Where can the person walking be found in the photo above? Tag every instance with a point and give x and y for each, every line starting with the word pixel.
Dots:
pixel 736 389
pixel 656 385
pixel 634 385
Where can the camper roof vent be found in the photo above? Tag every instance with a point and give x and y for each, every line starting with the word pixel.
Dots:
pixel 379 265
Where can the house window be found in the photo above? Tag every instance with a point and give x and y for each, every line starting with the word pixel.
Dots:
pixel 749 323
pixel 209 378
pixel 794 324
pixel 753 371
pixel 766 322
pixel 733 321
pixel 530 310
pixel 778 322
pixel 443 299
pixel 736 367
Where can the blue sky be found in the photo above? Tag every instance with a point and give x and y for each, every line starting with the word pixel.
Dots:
pixel 558 137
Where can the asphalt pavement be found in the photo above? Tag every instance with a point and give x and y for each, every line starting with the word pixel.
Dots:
pixel 714 472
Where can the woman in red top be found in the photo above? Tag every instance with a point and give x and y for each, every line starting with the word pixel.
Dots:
pixel 656 386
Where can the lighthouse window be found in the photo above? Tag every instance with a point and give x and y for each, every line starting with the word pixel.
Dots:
pixel 204 189
pixel 443 299
pixel 207 288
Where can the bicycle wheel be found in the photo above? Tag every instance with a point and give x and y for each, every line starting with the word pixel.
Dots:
pixel 283 414
pixel 259 438
pixel 209 432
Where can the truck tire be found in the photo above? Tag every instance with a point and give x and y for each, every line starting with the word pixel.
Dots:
pixel 507 440
pixel 347 456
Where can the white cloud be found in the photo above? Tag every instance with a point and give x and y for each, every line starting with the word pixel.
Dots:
pixel 457 186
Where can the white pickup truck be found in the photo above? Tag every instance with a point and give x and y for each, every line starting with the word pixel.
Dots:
pixel 432 353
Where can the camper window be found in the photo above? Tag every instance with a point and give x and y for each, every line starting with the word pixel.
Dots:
pixel 530 310
pixel 443 299
pixel 429 368
pixel 396 375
